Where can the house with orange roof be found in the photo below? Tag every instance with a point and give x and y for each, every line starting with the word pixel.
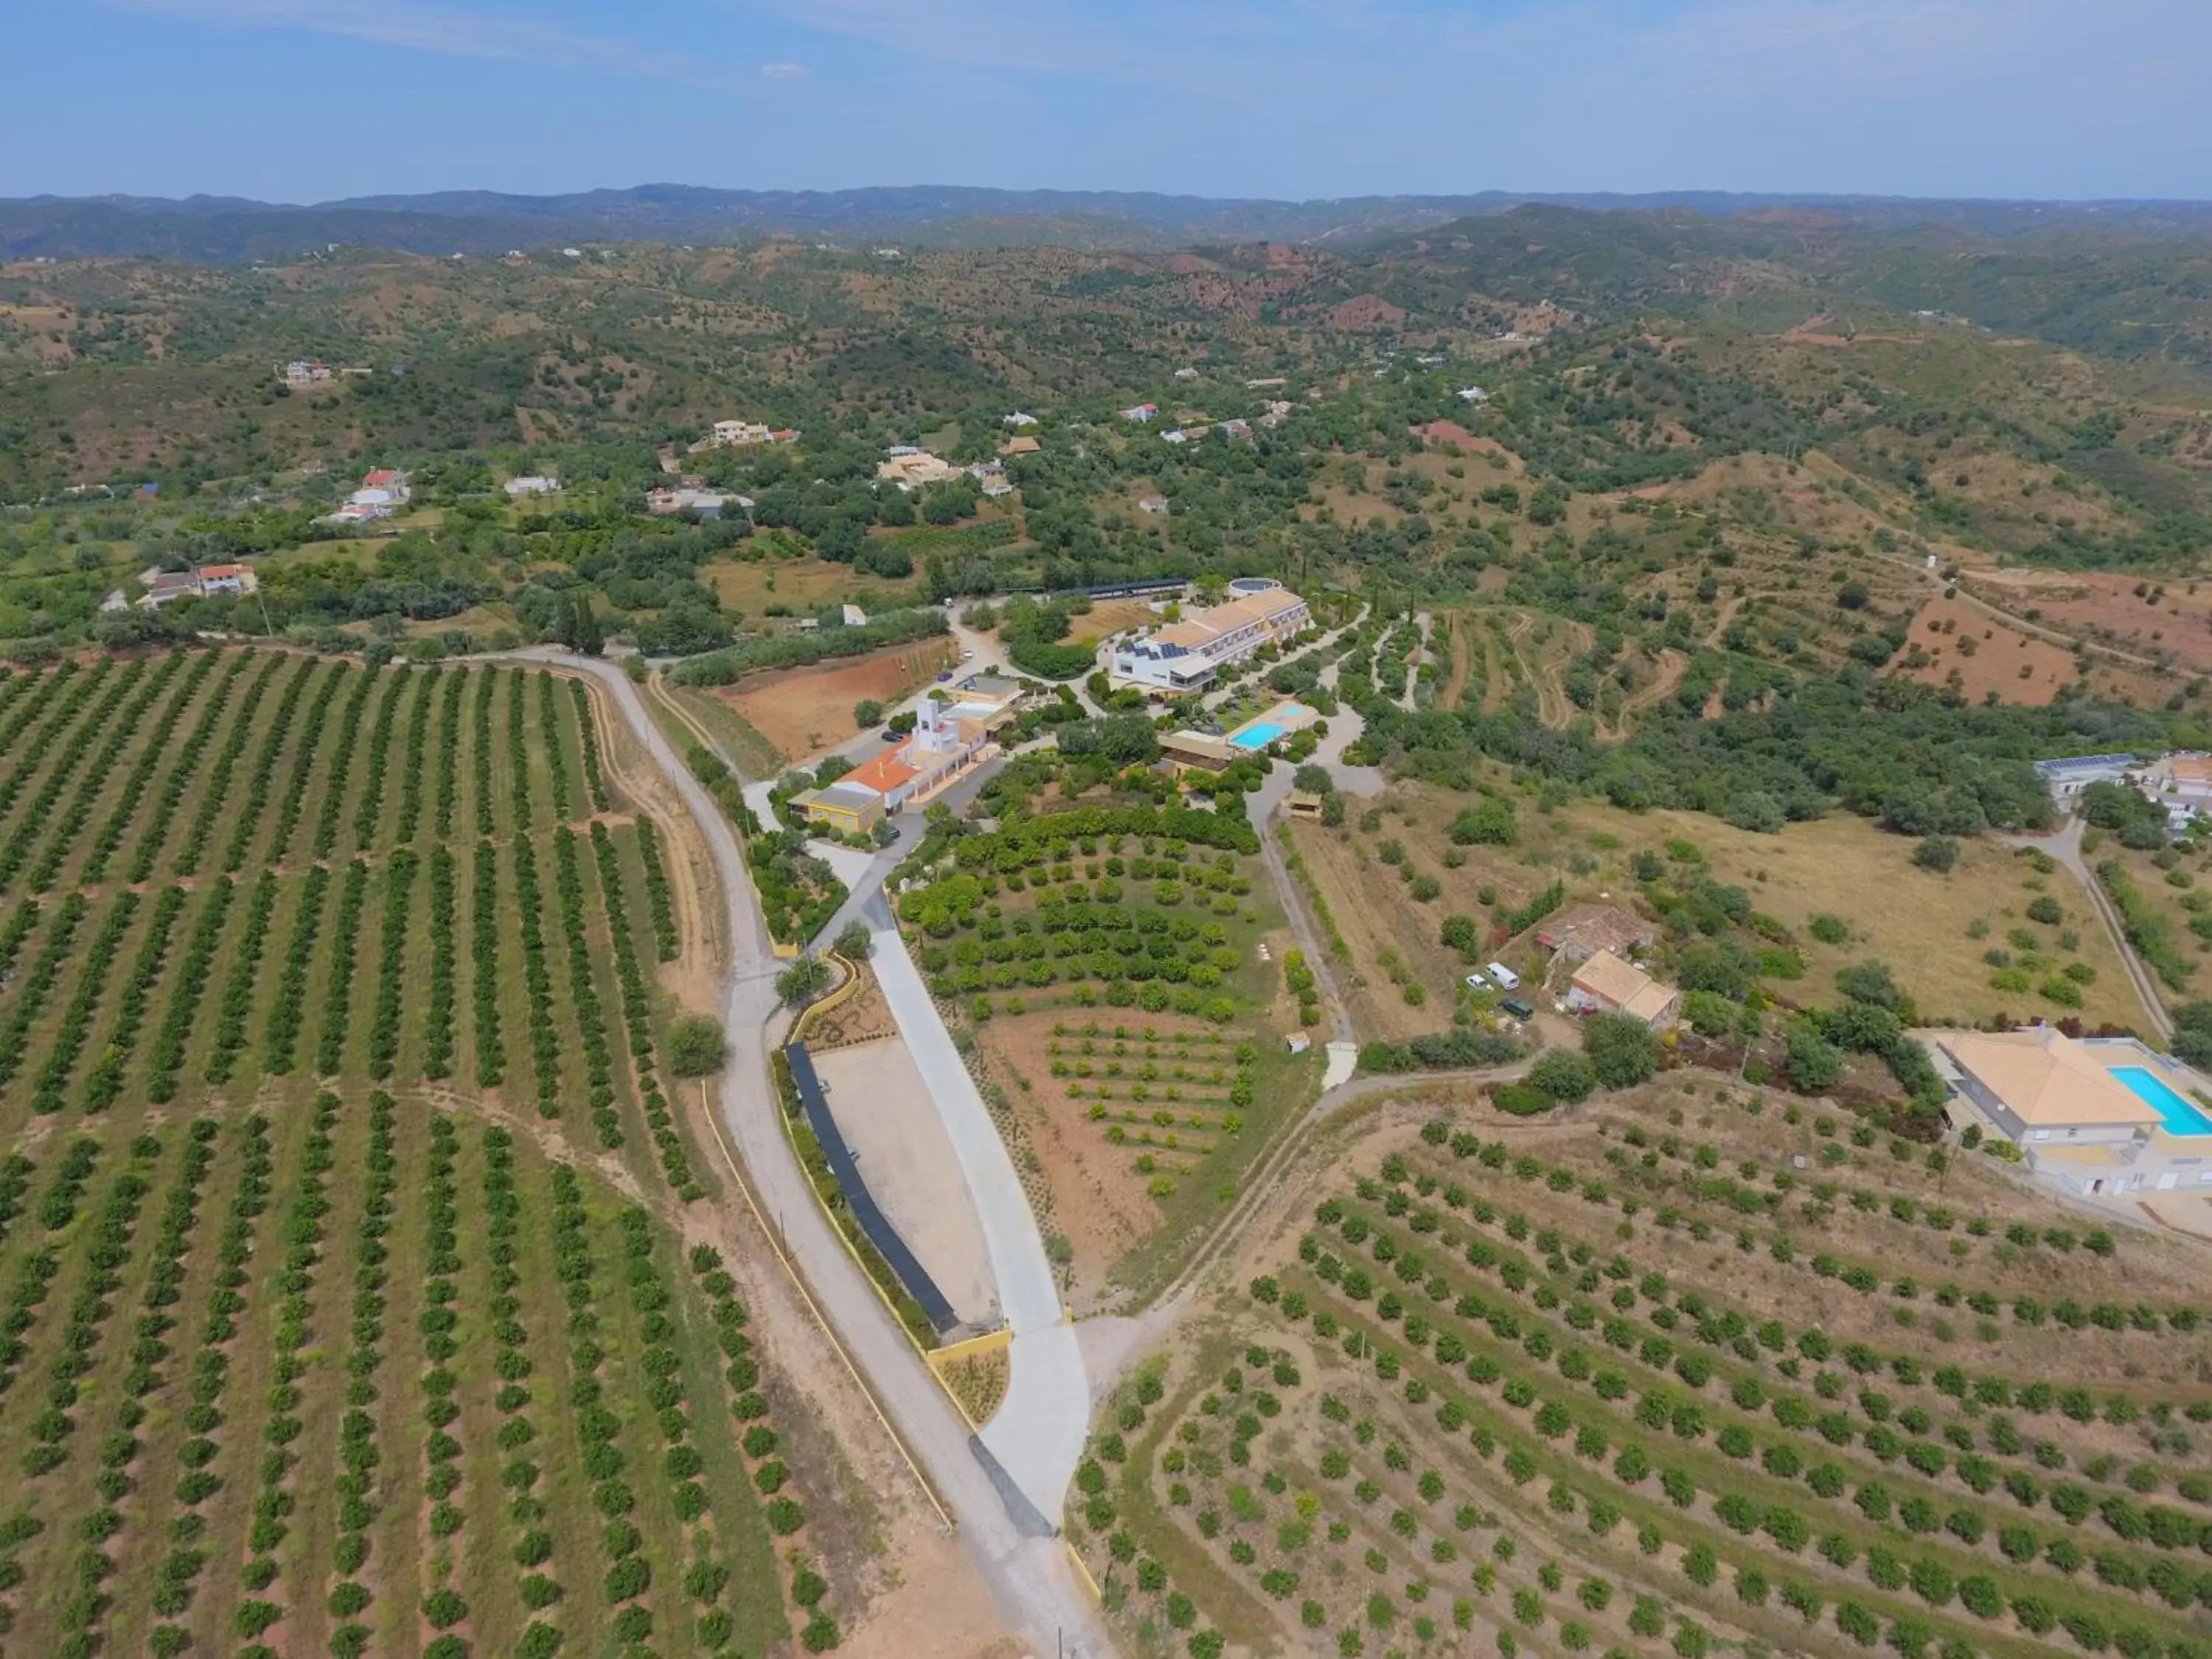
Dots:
pixel 944 745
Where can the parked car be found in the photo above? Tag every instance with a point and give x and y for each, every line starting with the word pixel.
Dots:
pixel 1504 976
pixel 1476 982
pixel 1517 1008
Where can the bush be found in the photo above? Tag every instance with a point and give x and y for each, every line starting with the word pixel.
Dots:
pixel 695 1045
pixel 1939 854
pixel 1563 1074
pixel 1520 1100
pixel 1622 1050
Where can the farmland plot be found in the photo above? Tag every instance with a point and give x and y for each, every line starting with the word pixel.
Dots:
pixel 1641 1381
pixel 345 1314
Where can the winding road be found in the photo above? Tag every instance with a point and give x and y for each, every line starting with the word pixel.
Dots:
pixel 1043 1419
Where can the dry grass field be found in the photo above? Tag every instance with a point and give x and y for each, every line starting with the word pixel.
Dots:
pixel 802 712
pixel 1935 931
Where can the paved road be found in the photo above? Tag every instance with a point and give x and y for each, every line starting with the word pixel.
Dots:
pixel 1037 1590
pixel 2066 848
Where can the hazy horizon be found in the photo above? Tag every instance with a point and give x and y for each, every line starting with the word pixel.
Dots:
pixel 312 100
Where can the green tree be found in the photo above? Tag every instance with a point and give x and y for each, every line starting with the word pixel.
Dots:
pixel 867 712
pixel 855 940
pixel 1936 853
pixel 1563 1074
pixel 1811 1062
pixel 695 1045
pixel 586 635
pixel 807 979
pixel 1622 1050
pixel 1312 779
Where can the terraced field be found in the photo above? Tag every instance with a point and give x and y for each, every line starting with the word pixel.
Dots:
pixel 347 1307
pixel 1644 1380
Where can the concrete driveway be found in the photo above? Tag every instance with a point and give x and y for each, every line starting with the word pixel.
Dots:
pixel 1038 1433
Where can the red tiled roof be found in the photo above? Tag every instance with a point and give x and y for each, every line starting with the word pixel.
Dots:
pixel 885 773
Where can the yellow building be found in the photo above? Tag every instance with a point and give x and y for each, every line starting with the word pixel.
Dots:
pixel 842 808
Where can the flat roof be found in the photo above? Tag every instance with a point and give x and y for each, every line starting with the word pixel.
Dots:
pixel 840 794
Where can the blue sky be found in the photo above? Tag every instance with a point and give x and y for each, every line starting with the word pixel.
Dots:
pixel 309 99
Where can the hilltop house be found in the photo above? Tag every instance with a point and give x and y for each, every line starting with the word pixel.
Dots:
pixel 915 467
pixel 167 586
pixel 1605 983
pixel 228 579
pixel 533 484
pixel 1141 412
pixel 305 372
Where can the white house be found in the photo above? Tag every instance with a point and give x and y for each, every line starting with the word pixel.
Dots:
pixel 1141 412
pixel 533 484
pixel 228 579
pixel 304 372
pixel 1018 418
pixel 1473 394
pixel 1185 656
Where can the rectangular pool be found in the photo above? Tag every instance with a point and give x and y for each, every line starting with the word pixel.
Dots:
pixel 1258 735
pixel 2181 1115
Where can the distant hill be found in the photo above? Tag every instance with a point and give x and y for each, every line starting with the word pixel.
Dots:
pixel 231 230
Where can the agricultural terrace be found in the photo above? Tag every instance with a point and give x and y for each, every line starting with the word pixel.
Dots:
pixel 343 1296
pixel 1639 1378
pixel 1128 1033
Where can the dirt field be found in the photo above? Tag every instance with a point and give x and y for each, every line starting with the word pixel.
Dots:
pixel 1975 656
pixel 1099 1199
pixel 1452 433
pixel 2170 623
pixel 803 584
pixel 878 1099
pixel 805 711
pixel 1916 921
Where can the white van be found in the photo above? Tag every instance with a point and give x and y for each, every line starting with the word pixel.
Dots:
pixel 1504 976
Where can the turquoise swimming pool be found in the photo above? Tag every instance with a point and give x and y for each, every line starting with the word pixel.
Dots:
pixel 1279 721
pixel 2181 1115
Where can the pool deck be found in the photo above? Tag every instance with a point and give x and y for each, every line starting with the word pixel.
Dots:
pixel 1278 722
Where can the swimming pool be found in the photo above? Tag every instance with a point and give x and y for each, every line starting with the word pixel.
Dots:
pixel 2181 1115
pixel 1279 721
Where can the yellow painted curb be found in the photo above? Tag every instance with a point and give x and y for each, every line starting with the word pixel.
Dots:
pixel 1084 1573
pixel 987 1343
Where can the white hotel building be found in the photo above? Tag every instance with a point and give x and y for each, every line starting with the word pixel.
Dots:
pixel 1185 656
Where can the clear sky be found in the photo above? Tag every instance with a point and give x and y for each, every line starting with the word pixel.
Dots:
pixel 310 100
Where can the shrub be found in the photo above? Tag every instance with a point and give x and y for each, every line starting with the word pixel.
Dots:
pixel 1622 1050
pixel 1940 853
pixel 696 1046
pixel 1564 1075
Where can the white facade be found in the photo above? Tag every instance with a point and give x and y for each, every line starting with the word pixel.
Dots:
pixel 1185 656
